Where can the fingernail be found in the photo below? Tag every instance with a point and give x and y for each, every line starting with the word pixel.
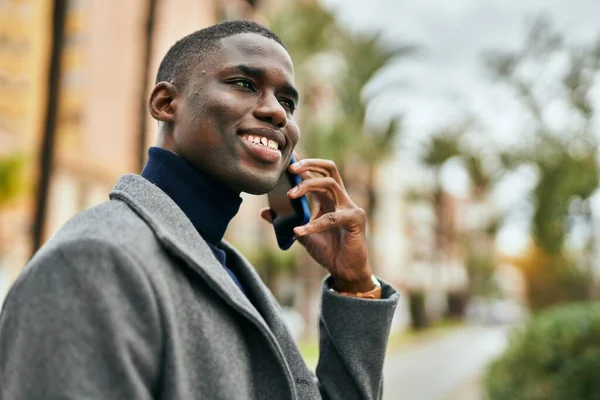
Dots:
pixel 297 164
pixel 293 190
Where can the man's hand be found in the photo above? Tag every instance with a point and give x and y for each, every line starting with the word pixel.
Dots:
pixel 335 236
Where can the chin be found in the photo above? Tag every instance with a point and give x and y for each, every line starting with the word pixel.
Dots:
pixel 259 186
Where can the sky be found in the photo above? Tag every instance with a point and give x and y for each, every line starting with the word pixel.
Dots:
pixel 446 80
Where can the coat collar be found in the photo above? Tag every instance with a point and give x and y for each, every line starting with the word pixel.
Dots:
pixel 177 234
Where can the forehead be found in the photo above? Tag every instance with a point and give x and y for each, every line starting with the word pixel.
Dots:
pixel 257 50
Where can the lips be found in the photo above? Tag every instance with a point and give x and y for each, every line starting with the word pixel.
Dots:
pixel 263 144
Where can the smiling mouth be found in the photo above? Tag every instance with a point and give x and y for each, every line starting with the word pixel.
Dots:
pixel 262 141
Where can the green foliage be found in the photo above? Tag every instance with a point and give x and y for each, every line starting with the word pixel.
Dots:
pixel 481 268
pixel 330 142
pixel 565 159
pixel 440 150
pixel 305 28
pixel 561 179
pixel 271 262
pixel 417 309
pixel 554 356
pixel 553 279
pixel 10 177
pixel 379 143
pixel 479 177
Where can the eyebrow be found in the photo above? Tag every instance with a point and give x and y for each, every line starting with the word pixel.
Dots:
pixel 259 73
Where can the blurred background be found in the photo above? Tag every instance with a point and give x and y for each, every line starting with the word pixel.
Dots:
pixel 467 130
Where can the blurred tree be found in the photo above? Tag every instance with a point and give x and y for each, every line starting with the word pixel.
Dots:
pixel 552 279
pixel 307 29
pixel 271 264
pixel 565 157
pixel 365 56
pixel 552 356
pixel 441 147
pixel 477 243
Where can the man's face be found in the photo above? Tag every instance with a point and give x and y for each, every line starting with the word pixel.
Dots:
pixel 234 119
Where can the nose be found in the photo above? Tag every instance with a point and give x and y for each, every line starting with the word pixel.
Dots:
pixel 271 111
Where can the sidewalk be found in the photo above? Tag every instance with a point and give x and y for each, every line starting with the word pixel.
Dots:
pixel 445 367
pixel 469 390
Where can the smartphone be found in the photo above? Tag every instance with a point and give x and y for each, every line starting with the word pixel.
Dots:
pixel 287 213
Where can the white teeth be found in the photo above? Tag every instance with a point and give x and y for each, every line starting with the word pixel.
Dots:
pixel 262 141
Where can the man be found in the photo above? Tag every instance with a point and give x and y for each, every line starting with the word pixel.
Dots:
pixel 139 297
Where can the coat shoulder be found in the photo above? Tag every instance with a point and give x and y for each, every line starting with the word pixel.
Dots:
pixel 90 250
pixel 112 224
pixel 99 238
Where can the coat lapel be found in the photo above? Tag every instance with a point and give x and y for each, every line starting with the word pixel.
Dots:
pixel 177 233
pixel 270 310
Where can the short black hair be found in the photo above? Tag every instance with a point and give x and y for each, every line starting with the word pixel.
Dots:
pixel 183 56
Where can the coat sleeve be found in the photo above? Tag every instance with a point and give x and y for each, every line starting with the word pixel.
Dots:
pixel 81 322
pixel 353 339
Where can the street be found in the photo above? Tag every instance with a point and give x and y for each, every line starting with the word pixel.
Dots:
pixel 444 366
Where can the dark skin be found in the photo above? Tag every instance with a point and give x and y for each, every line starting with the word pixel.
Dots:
pixel 244 87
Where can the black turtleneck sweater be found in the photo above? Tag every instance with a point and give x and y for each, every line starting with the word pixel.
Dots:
pixel 208 204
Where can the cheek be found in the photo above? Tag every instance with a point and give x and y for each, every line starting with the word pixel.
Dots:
pixel 293 132
pixel 225 110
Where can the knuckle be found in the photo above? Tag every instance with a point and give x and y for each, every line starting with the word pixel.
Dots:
pixel 330 165
pixel 330 181
pixel 331 218
pixel 360 213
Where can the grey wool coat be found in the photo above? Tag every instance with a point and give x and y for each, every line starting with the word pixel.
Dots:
pixel 127 301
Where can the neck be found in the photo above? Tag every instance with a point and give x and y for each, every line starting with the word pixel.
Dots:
pixel 209 205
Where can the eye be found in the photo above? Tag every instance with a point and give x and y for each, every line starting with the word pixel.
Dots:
pixel 289 104
pixel 246 84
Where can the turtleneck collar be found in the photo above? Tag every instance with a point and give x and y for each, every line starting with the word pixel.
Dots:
pixel 208 204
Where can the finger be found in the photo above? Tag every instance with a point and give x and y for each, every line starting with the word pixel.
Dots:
pixel 324 167
pixel 351 219
pixel 265 214
pixel 307 175
pixel 321 186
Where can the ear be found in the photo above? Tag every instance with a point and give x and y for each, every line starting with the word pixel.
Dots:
pixel 163 102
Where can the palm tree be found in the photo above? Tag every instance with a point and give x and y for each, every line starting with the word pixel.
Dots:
pixel 566 159
pixel 365 57
pixel 442 146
